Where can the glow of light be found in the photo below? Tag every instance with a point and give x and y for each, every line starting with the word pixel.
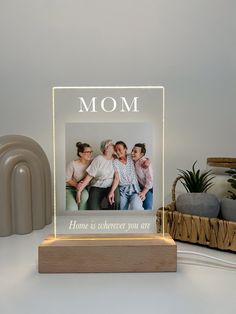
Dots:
pixel 117 237
pixel 54 164
pixel 108 87
pixel 163 161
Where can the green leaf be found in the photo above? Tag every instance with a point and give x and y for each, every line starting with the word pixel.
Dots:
pixel 194 181
pixel 231 171
pixel 232 195
pixel 231 181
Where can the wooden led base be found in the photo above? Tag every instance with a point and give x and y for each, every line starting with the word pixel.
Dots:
pixel 97 253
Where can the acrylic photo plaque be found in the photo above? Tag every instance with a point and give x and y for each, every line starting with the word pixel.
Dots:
pixel 110 182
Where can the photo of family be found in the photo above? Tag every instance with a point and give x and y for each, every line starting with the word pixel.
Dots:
pixel 113 178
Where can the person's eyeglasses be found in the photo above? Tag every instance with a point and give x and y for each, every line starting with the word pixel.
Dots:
pixel 88 152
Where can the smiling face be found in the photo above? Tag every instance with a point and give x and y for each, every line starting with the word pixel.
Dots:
pixel 109 150
pixel 120 151
pixel 136 153
pixel 87 154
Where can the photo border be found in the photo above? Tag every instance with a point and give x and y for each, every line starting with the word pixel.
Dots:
pixel 54 89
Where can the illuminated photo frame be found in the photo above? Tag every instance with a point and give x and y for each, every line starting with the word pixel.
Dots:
pixel 67 102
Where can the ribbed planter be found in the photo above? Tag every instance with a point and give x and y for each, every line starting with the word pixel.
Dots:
pixel 198 204
pixel 228 209
pixel 25 186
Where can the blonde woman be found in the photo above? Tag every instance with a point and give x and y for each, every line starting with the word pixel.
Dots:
pixel 100 175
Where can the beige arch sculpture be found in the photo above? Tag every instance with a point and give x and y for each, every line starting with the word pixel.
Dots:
pixel 25 186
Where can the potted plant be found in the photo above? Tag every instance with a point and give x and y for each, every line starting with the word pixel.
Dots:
pixel 196 201
pixel 228 204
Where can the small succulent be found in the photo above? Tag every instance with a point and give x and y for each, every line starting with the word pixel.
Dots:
pixel 194 181
pixel 232 182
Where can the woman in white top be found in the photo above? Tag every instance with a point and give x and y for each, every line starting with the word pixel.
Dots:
pixel 75 173
pixel 144 175
pixel 100 175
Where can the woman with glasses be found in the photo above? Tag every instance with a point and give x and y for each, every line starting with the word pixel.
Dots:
pixel 75 173
pixel 100 175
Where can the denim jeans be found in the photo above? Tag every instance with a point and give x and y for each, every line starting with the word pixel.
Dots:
pixel 148 202
pixel 129 199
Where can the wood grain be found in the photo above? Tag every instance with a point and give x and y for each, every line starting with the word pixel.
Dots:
pixel 225 162
pixel 108 253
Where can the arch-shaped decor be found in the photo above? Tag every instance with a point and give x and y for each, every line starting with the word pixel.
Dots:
pixel 25 186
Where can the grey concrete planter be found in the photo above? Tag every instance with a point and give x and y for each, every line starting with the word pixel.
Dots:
pixel 198 204
pixel 228 209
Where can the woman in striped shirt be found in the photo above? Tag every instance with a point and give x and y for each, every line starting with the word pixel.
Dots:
pixel 126 178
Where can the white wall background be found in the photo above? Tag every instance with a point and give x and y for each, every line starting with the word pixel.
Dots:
pixel 95 133
pixel 186 45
